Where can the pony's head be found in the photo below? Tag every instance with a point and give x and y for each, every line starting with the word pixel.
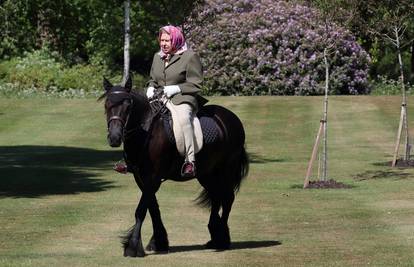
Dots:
pixel 118 103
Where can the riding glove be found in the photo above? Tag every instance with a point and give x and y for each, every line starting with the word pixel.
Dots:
pixel 170 90
pixel 150 92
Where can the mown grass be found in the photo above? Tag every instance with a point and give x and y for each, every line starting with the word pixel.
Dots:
pixel 62 205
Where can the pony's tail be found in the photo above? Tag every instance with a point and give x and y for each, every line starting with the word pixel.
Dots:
pixel 235 176
pixel 204 199
pixel 243 170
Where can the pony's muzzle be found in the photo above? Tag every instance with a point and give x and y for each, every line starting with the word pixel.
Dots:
pixel 114 136
pixel 114 141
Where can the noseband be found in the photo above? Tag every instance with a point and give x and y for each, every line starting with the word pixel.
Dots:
pixel 116 117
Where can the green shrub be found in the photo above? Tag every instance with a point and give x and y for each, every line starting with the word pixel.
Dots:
pixel 37 69
pixel 384 86
pixel 85 77
pixel 42 73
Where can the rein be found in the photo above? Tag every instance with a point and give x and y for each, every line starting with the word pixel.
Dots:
pixel 157 106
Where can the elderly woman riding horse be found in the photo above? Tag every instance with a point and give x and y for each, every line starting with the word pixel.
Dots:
pixel 145 129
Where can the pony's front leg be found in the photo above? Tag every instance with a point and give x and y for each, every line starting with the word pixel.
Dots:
pixel 133 241
pixel 159 240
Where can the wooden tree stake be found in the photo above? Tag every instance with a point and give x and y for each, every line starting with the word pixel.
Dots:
pixel 397 144
pixel 314 151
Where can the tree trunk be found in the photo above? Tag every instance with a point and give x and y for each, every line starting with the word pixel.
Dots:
pixel 325 119
pixel 404 96
pixel 412 62
pixel 127 9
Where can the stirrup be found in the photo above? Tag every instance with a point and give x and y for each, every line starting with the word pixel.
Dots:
pixel 188 170
pixel 121 167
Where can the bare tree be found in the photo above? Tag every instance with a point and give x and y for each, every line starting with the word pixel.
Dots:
pixel 330 12
pixel 396 23
pixel 391 21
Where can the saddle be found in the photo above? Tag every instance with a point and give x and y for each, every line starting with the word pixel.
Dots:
pixel 206 130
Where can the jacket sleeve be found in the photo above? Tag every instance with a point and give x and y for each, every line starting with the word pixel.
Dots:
pixel 152 82
pixel 194 76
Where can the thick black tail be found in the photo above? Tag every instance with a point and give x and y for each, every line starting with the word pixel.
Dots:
pixel 243 169
pixel 235 176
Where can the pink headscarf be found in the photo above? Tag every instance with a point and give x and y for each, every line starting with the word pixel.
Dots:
pixel 177 39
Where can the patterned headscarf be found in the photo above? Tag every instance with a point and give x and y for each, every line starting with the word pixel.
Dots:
pixel 177 39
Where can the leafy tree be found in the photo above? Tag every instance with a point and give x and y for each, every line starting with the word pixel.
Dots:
pixel 17 34
pixel 374 18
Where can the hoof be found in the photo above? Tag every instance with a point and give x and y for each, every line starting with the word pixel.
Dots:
pixel 128 252
pixel 157 247
pixel 217 245
pixel 210 245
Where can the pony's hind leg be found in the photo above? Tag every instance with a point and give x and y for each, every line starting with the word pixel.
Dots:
pixel 218 225
pixel 214 224
pixel 227 203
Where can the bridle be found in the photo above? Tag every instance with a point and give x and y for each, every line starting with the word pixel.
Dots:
pixel 157 106
pixel 116 117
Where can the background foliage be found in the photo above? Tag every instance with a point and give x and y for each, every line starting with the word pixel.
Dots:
pixel 270 47
pixel 250 47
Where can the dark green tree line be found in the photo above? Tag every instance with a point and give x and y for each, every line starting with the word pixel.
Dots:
pixel 86 30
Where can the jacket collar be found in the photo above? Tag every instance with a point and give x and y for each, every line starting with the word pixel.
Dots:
pixel 175 57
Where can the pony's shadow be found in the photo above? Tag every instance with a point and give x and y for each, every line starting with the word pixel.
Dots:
pixel 234 246
pixel 259 159
pixel 36 171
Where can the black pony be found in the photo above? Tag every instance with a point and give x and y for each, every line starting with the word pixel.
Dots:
pixel 152 158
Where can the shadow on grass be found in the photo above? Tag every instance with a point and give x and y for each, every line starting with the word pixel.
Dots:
pixel 330 184
pixel 35 171
pixel 387 174
pixel 255 158
pixel 234 246
pixel 382 164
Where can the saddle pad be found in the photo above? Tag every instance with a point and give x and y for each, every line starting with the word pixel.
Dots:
pixel 210 130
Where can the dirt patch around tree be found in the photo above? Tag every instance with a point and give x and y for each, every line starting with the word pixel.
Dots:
pixel 403 163
pixel 329 184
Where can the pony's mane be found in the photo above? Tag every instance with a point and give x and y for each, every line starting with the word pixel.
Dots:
pixel 139 94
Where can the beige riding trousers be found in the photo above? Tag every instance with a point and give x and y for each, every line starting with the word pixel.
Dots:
pixel 185 121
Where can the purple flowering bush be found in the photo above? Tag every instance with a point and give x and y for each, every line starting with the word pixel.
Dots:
pixel 269 47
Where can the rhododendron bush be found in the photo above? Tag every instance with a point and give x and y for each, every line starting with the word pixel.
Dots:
pixel 269 47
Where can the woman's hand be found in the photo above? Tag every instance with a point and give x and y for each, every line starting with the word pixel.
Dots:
pixel 150 92
pixel 171 90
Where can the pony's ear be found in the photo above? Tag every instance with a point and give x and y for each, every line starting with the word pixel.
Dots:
pixel 107 84
pixel 128 84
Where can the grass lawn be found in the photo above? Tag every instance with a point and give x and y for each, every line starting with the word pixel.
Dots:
pixel 62 205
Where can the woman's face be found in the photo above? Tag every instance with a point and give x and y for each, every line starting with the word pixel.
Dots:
pixel 165 43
